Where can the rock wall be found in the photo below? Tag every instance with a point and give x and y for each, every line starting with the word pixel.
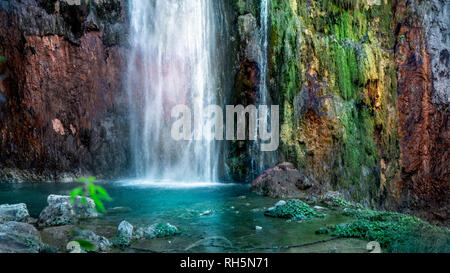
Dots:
pixel 63 112
pixel 363 88
pixel 423 73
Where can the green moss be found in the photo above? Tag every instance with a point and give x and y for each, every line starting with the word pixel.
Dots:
pixel 165 230
pixel 293 209
pixel 2 59
pixel 395 232
pixel 341 48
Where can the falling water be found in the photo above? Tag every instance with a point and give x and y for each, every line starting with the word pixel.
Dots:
pixel 171 63
pixel 263 160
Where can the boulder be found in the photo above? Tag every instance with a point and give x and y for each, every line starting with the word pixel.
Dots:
pixel 282 181
pixel 18 237
pixel 125 234
pixel 15 212
pixel 60 211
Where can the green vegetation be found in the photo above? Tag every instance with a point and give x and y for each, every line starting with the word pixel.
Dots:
pixel 395 232
pixel 89 189
pixel 293 209
pixel 330 58
pixel 165 230
pixel 2 59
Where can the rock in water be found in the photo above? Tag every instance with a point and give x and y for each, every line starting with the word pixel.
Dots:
pixel 161 230
pixel 17 237
pixel 60 211
pixel 16 212
pixel 125 234
pixel 282 181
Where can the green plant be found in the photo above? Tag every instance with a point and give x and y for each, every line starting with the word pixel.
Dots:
pixel 395 232
pixel 2 59
pixel 89 189
pixel 295 210
pixel 86 245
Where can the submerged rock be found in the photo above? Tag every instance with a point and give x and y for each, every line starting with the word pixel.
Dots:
pixel 15 212
pixel 60 211
pixel 293 209
pixel 282 181
pixel 159 230
pixel 17 237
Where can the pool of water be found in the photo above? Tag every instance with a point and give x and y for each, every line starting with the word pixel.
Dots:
pixel 213 217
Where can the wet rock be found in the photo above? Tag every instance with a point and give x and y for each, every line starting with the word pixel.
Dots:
pixel 319 208
pixel 124 235
pixel 207 212
pixel 282 181
pixel 160 230
pixel 15 212
pixel 52 47
pixel 100 243
pixel 60 211
pixel 17 237
pixel 422 61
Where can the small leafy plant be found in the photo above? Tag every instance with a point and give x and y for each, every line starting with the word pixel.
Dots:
pixel 89 189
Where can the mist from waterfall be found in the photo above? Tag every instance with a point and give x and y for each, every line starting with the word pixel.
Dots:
pixel 172 62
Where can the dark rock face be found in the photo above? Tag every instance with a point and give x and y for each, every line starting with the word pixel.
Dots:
pixel 63 112
pixel 283 181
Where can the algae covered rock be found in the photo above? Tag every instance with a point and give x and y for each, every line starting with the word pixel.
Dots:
pixel 15 212
pixel 61 211
pixel 293 209
pixel 124 235
pixel 17 237
pixel 161 230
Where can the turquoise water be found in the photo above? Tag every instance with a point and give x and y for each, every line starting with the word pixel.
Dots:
pixel 212 217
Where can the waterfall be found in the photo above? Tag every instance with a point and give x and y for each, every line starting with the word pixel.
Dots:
pixel 171 62
pixel 263 160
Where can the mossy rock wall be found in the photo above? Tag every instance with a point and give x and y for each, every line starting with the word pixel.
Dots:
pixel 332 73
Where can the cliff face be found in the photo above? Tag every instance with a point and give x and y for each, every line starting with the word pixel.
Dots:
pixel 423 73
pixel 363 86
pixel 63 108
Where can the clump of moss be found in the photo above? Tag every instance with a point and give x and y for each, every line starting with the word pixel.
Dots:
pixel 165 230
pixel 293 209
pixel 395 232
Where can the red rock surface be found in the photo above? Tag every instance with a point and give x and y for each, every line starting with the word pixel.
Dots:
pixel 62 103
pixel 424 128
